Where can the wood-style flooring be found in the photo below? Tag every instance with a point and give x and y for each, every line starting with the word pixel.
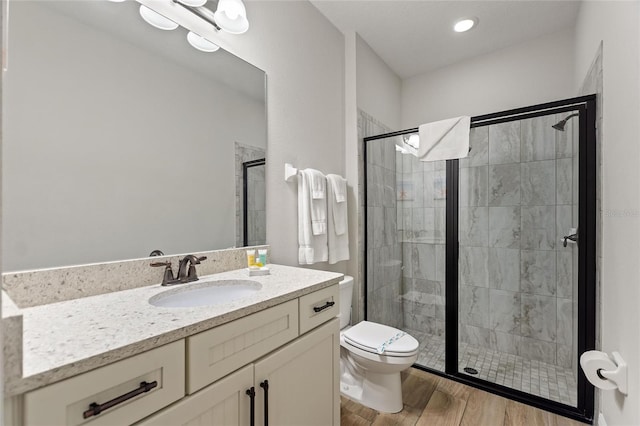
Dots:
pixel 435 401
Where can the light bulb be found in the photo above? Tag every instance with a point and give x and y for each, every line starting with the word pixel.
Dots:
pixel 465 24
pixel 231 16
pixel 201 43
pixel 193 3
pixel 154 19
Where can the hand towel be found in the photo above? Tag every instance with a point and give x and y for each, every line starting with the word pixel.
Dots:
pixel 311 248
pixel 318 187
pixel 338 203
pixel 339 186
pixel 338 232
pixel 445 139
pixel 318 184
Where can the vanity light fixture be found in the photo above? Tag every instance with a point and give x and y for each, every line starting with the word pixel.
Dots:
pixel 465 24
pixel 230 16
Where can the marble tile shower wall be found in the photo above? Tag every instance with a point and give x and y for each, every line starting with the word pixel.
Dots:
pixel 384 264
pixel 367 126
pixel 421 230
pixel 516 201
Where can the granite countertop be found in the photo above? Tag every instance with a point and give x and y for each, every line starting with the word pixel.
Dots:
pixel 64 339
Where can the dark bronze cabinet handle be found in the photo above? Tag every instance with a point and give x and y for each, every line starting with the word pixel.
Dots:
pixel 323 307
pixel 95 408
pixel 252 413
pixel 265 385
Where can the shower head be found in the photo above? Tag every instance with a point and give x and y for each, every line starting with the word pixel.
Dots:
pixel 560 124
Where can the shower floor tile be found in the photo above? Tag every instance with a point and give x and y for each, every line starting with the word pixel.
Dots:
pixel 534 377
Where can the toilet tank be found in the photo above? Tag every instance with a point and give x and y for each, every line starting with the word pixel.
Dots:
pixel 346 295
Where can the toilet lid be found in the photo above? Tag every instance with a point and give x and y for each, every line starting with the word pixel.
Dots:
pixel 381 339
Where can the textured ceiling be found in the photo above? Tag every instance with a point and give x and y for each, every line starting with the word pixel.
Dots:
pixel 414 37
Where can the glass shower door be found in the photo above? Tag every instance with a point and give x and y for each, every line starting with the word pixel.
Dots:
pixel 406 203
pixel 517 258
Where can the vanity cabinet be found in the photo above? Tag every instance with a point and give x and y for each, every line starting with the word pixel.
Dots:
pixel 296 385
pixel 287 356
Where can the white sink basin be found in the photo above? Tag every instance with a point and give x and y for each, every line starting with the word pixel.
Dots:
pixel 207 293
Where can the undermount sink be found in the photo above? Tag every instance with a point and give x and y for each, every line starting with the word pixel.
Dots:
pixel 206 293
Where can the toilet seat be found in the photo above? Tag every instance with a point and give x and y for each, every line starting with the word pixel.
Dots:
pixel 370 336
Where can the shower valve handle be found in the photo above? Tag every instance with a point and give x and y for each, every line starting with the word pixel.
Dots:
pixel 572 237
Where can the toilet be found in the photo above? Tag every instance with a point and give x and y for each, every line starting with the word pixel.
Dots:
pixel 372 356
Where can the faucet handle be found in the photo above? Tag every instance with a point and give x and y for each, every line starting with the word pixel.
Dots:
pixel 191 274
pixel 168 277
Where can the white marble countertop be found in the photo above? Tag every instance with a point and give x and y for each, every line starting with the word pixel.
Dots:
pixel 64 339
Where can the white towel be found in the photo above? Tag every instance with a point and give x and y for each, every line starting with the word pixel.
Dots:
pixel 339 186
pixel 318 184
pixel 312 248
pixel 445 139
pixel 338 232
pixel 338 203
pixel 318 187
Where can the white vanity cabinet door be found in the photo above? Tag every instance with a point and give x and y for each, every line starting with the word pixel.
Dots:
pixel 64 403
pixel 303 380
pixel 224 403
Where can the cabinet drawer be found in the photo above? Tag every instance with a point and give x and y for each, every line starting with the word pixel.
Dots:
pixel 318 307
pixel 65 402
pixel 215 353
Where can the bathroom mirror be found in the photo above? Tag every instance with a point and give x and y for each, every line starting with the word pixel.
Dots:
pixel 119 138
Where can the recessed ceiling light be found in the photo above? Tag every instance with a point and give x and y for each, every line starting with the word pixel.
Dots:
pixel 465 24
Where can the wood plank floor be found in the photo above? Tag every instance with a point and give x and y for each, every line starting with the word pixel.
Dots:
pixel 435 401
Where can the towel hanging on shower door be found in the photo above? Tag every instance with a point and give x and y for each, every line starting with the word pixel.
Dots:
pixel 445 139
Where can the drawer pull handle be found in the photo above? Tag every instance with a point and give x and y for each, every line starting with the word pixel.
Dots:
pixel 95 408
pixel 323 307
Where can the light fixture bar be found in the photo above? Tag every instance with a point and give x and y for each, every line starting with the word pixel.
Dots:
pixel 202 12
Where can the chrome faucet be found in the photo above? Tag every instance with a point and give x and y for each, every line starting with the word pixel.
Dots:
pixel 188 275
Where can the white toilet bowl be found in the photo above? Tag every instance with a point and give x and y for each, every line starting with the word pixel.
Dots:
pixel 371 358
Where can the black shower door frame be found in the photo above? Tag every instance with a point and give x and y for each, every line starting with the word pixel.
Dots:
pixel 587 170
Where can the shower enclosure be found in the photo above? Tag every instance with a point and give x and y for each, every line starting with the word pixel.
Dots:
pixel 489 261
